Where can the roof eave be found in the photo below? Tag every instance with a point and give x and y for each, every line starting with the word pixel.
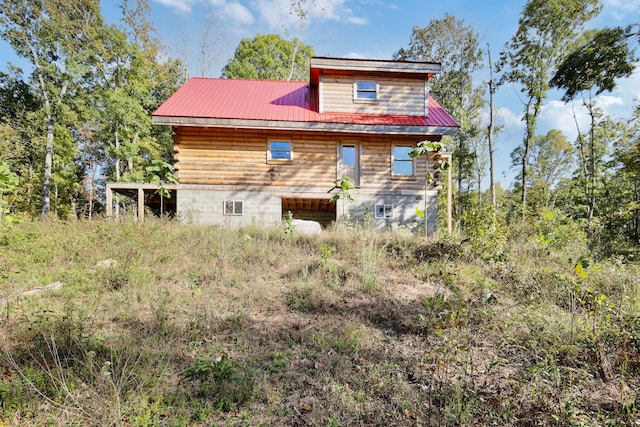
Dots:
pixel 305 126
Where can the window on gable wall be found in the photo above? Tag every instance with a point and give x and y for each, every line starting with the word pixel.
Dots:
pixel 403 163
pixel 366 89
pixel 280 150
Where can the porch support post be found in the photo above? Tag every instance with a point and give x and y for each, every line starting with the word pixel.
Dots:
pixel 109 201
pixel 140 204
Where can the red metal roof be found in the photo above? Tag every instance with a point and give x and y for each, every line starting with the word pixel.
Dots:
pixel 276 101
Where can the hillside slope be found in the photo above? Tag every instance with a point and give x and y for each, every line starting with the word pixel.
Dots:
pixel 172 325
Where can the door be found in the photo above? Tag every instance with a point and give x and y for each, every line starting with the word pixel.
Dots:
pixel 349 162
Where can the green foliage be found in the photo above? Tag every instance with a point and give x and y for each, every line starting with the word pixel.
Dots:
pixel 287 221
pixel 160 173
pixel 345 185
pixel 602 56
pixel 545 32
pixel 8 183
pixel 84 105
pixel 269 57
pixel 487 232
pixel 228 384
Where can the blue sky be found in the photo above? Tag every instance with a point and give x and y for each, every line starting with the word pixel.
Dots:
pixel 373 29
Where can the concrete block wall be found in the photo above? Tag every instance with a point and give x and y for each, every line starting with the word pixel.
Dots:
pixel 404 209
pixel 205 205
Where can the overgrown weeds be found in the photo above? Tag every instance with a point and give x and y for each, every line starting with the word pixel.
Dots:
pixel 194 325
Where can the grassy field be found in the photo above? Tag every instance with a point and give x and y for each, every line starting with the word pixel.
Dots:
pixel 163 324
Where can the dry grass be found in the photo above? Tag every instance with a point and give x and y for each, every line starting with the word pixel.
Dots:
pixel 197 325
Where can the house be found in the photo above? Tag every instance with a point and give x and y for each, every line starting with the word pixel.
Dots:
pixel 248 152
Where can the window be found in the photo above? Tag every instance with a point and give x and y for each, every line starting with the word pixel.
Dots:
pixel 384 211
pixel 349 162
pixel 280 150
pixel 233 207
pixel 403 163
pixel 366 89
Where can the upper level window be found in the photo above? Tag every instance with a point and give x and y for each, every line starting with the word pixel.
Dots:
pixel 280 150
pixel 366 89
pixel 402 163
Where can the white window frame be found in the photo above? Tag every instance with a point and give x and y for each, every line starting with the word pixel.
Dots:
pixel 387 211
pixel 237 207
pixel 357 90
pixel 410 159
pixel 270 151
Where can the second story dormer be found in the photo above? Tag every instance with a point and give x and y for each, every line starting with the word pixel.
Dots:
pixel 367 86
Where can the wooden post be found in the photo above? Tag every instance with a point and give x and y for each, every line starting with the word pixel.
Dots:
pixel 109 201
pixel 449 195
pixel 140 204
pixel 447 158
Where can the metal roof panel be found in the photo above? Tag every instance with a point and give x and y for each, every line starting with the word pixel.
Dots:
pixel 276 101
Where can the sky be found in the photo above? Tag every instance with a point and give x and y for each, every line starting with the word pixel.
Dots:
pixel 375 29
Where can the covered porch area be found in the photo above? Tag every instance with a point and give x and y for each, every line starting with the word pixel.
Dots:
pixel 145 196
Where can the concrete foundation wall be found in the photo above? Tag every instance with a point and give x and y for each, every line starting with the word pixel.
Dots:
pixel 203 204
pixel 403 208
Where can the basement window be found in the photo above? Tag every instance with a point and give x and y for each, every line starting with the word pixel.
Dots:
pixel 233 207
pixel 384 211
pixel 365 90
pixel 280 150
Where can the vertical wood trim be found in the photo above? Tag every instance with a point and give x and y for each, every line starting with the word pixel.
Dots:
pixel 427 89
pixel 449 195
pixel 321 95
pixel 140 204
pixel 109 201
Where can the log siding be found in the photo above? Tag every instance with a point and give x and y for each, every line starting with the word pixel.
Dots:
pixel 210 156
pixel 394 96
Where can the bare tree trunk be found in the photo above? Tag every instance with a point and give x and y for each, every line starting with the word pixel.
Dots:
pixel 492 90
pixel 48 166
pixel 530 119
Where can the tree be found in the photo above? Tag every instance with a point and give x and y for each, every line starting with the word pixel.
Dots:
pixel 455 46
pixel 603 56
pixel 545 31
pixel 550 158
pixel 435 165
pixel 8 182
pixel 269 57
pixel 592 66
pixel 491 129
pixel 56 37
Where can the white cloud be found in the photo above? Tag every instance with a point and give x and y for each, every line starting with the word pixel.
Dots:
pixel 560 115
pixel 508 118
pixel 238 13
pixel 233 11
pixel 180 6
pixel 357 20
pixel 275 12
pixel 278 14
pixel 606 101
pixel 355 55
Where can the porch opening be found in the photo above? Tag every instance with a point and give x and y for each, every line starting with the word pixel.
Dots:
pixel 146 196
pixel 320 210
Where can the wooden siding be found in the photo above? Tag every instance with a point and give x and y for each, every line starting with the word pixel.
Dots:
pixel 395 96
pixel 209 156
